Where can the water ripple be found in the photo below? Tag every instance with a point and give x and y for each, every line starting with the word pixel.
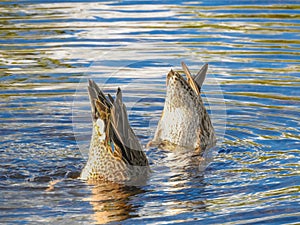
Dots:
pixel 50 48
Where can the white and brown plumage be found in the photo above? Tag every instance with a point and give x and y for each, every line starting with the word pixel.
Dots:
pixel 184 121
pixel 115 153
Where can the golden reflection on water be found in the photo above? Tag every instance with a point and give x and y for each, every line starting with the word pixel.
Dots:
pixel 111 201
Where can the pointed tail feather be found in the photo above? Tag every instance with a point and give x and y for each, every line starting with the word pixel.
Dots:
pixel 114 114
pixel 200 76
pixel 196 81
pixel 190 79
pixel 131 149
pixel 95 93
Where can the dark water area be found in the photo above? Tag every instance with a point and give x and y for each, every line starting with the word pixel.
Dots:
pixel 49 49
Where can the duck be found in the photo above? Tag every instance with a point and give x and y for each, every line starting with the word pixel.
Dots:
pixel 184 122
pixel 115 153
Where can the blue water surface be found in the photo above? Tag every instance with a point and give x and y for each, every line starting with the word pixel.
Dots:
pixel 49 49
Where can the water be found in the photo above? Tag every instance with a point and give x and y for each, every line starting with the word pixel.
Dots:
pixel 48 51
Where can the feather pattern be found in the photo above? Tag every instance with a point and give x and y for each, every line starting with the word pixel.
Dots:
pixel 184 121
pixel 115 152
